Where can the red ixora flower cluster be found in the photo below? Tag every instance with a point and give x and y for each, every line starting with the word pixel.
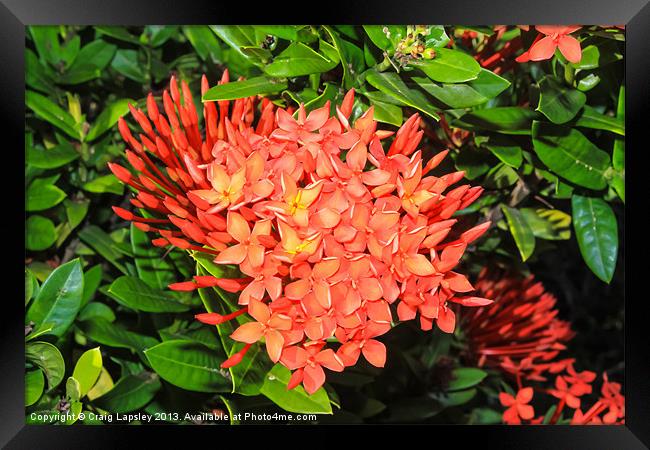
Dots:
pixel 521 335
pixel 327 228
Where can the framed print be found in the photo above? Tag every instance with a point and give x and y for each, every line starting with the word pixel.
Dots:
pixel 233 221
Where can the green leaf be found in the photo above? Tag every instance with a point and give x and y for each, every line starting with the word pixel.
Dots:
pixel 43 194
pixel 449 66
pixel 126 63
pixel 388 113
pixel 507 151
pixel 296 400
pixel 500 176
pixel 118 32
pixel 101 242
pixel 288 32
pixel 298 59
pixel 521 232
pixel 73 389
pixel 618 155
pixel 236 36
pixel 108 117
pixel 598 55
pixel 49 359
pixel 486 86
pixel 130 393
pixel 550 224
pixel 466 377
pixel 557 102
pixel 37 76
pixel 52 158
pixel 157 35
pixel 204 41
pixel 34 384
pixel 52 113
pixel 153 269
pixel 103 332
pixel 590 118
pixel 90 63
pixel 87 370
pixel 103 384
pixel 392 85
pixel 104 184
pixel 568 153
pixel 92 279
pixel 59 299
pixel 244 88
pixel 136 294
pixel 31 285
pixel 189 365
pixel 597 233
pixel 503 119
pixel 39 233
pixel 96 309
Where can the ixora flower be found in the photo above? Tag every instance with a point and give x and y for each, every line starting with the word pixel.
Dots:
pixel 327 229
pixel 550 38
pixel 521 335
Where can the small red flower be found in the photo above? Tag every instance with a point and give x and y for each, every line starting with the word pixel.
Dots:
pixel 518 407
pixel 552 37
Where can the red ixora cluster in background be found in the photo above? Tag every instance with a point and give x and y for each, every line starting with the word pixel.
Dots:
pixel 327 228
pixel 521 335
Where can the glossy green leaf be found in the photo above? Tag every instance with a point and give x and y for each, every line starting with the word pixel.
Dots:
pixel 298 59
pixel 103 384
pixel 96 309
pixel 36 75
pixel 104 184
pixel 236 36
pixel 101 242
pixel 486 86
pixel 378 36
pixel 126 63
pixel 154 269
pixel 39 233
pixel 87 369
pixel 136 294
pixel 52 158
pixel 157 35
pixel 52 113
pixel 465 377
pixel 34 385
pixel 557 102
pixel 59 298
pixel 597 233
pixel 521 232
pixel 203 40
pixel 503 119
pixel 392 85
pixel 449 66
pixel 590 118
pixel 43 194
pixel 49 359
pixel 90 63
pixel 31 285
pixel 296 400
pixel 108 118
pixel 618 154
pixel 507 151
pixel 73 389
pixel 189 365
pixel 598 55
pixel 550 224
pixel 244 88
pixel 104 332
pixel 92 279
pixel 288 32
pixel 118 32
pixel 130 393
pixel 569 154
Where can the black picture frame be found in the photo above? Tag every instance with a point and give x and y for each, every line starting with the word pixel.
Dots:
pixel 635 14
